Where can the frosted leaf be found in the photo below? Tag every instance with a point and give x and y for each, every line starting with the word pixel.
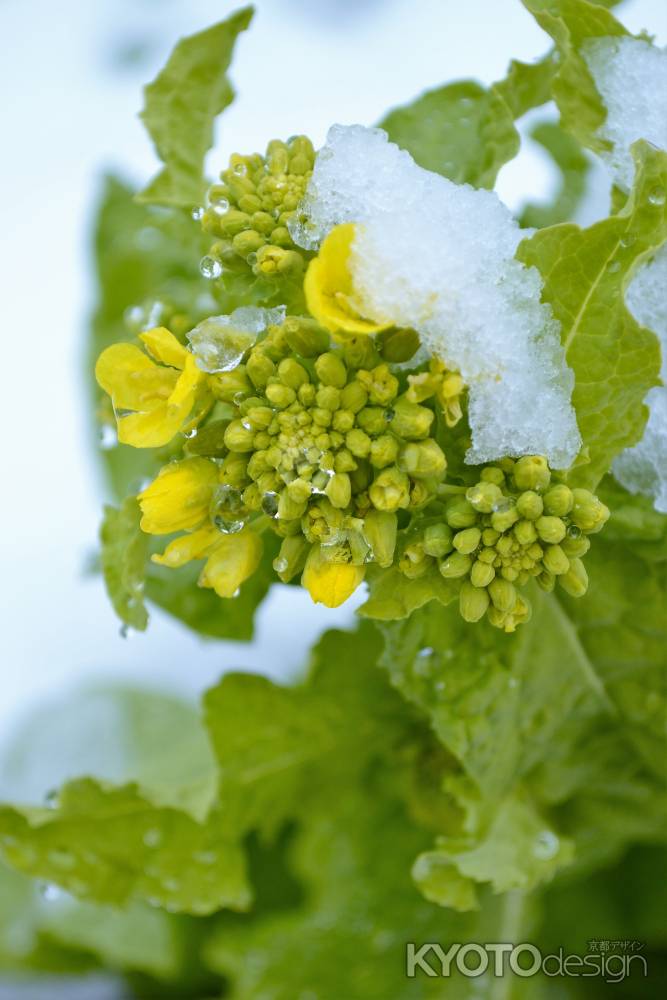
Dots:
pixel 440 257
pixel 630 75
pixel 643 469
pixel 219 342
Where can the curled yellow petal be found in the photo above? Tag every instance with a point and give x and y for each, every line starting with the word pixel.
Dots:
pixel 329 288
pixel 133 381
pixel 185 548
pixel 178 499
pixel 233 559
pixel 164 346
pixel 330 583
pixel 159 419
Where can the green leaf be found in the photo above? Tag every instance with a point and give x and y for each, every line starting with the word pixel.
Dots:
pixel 466 131
pixel 585 272
pixel 181 104
pixel 571 23
pixel 123 557
pixel 392 595
pixel 573 166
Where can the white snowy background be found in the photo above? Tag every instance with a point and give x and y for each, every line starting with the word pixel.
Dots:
pixel 71 83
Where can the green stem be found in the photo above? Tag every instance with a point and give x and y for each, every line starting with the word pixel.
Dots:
pixel 511 923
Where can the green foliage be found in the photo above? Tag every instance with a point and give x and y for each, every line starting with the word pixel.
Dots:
pixel 585 271
pixel 123 553
pixel 181 105
pixel 571 23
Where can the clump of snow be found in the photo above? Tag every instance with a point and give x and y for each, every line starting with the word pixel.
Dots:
pixel 643 469
pixel 630 75
pixel 219 342
pixel 440 257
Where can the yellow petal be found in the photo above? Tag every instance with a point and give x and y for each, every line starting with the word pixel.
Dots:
pixel 330 583
pixel 133 381
pixel 156 425
pixel 178 499
pixel 232 561
pixel 188 547
pixel 164 346
pixel 329 288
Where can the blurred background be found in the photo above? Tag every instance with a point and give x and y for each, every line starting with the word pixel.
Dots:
pixel 72 75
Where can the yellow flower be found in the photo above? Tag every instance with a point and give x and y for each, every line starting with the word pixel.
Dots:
pixel 329 288
pixel 445 385
pixel 179 497
pixel 152 401
pixel 330 583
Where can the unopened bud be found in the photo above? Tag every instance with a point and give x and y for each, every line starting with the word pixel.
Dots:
pixel 291 373
pixel 503 594
pixel 353 397
pixel 397 345
pixel 422 459
pixel 260 368
pixel 481 574
pixel 555 560
pixel 504 516
pixel 390 490
pixel 575 581
pixel 524 532
pixel 473 602
pixel 292 557
pixel 492 475
pixel 550 529
pixel 459 513
pixel 305 336
pixel 380 530
pixel 380 384
pixel 279 395
pixel 467 541
pixel 484 496
pixel 437 540
pixel 531 473
pixel 228 386
pixel 530 505
pixel 588 513
pixel 331 370
pixel 410 420
pixel 558 500
pixel 238 437
pixel 339 490
pixel 455 566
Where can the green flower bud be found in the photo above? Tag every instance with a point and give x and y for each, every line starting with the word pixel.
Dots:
pixel 328 397
pixel 524 532
pixel 228 386
pixel 455 566
pixel 239 438
pixel 291 373
pixel 423 459
pixel 397 345
pixel 247 242
pixel 380 384
pixel 546 581
pixel 289 509
pixel 390 490
pixel 487 555
pixel 344 462
pixel 320 416
pixel 280 395
pixel 510 573
pixel 467 541
pixel 380 530
pixel 531 473
pixel 481 574
pixel 588 513
pixel 259 416
pixel 306 394
pixel 503 518
pixel 343 421
pixel 305 336
pixel 555 560
pixel 277 261
pixel 262 222
pixel 438 540
pixel 489 536
pixel 209 441
pixel 331 370
pixel 492 475
pixel 353 397
pixel 550 529
pixel 234 222
pixel 359 352
pixel 260 368
pixel 339 490
pixel 384 451
pixel 484 496
pixel 503 594
pixel 410 420
pixel 372 419
pixel 473 602
pixel 575 581
pixel 292 557
pixel 299 490
pixel 459 513
pixel 558 500
pixel 575 547
pixel 530 505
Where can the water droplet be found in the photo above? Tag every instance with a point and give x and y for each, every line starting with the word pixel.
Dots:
pixel 126 631
pixel 240 169
pixel 210 267
pixel 251 259
pixel 228 527
pixel 614 266
pixel 50 892
pixel 503 505
pixel 628 240
pixel 220 206
pixel 657 196
pixel 133 317
pixel 270 503
pixel 197 212
pixel 192 433
pixel 573 531
pixel 389 414
pixel 152 837
pixel 546 845
pixel 108 437
pixel 426 651
pixel 280 565
pixel 51 798
pixel 246 425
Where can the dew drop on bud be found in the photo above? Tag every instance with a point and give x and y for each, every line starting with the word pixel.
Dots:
pixel 220 206
pixel 657 196
pixel 280 564
pixel 545 845
pixel 270 503
pixel 574 531
pixel 210 267
pixel 197 213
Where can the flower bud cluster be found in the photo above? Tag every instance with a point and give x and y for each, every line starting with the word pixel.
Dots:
pixel 324 442
pixel 510 527
pixel 249 210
